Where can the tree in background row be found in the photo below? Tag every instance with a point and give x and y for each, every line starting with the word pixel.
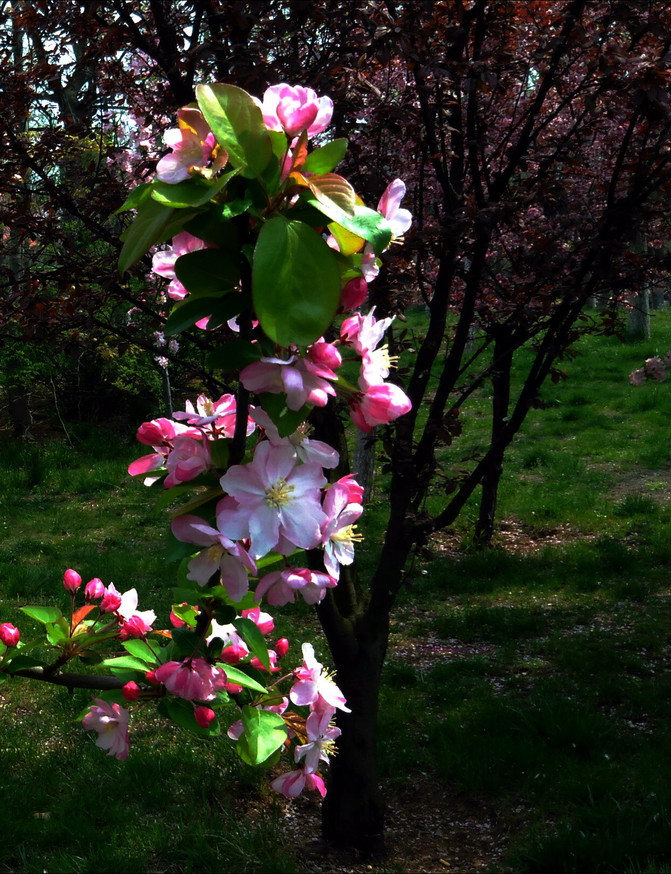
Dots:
pixel 534 142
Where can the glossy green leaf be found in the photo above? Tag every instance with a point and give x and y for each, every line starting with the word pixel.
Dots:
pixel 43 614
pixel 234 355
pixel 187 312
pixel 140 649
pixel 127 662
pixel 181 712
pixel 235 675
pixel 249 631
pixel 286 420
pixel 264 733
pixel 147 229
pixel 207 271
pixel 193 192
pixel 237 124
pixel 140 193
pixel 326 158
pixel 295 282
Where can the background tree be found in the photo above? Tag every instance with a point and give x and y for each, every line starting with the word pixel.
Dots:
pixel 534 140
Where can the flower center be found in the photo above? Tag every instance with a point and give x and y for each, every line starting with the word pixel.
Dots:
pixel 347 535
pixel 280 493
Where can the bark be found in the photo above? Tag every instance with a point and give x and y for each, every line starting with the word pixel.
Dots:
pixel 353 811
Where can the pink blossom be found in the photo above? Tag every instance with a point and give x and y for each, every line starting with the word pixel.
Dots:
pixel 187 459
pixel 306 449
pixel 637 377
pixel 9 634
pixel 292 783
pixel 127 610
pixel 303 381
pixel 281 587
pixel 656 368
pixel 322 736
pixel 204 716
pixel 264 621
pixel 131 691
pixel 111 723
pixel 274 498
pixel 95 588
pixel 163 261
pixel 378 405
pixel 272 661
pixel 295 109
pixel 111 600
pixel 324 354
pixel 282 647
pixel 338 534
pixel 313 683
pixel 354 490
pixel 192 679
pixel 390 207
pixel 353 294
pixel 71 581
pixel 193 145
pixel 363 333
pixel 221 554
pixel 222 413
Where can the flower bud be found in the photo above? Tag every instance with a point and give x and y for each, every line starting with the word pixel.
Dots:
pixel 131 691
pixel 9 634
pixel 95 588
pixel 282 647
pixel 204 716
pixel 71 580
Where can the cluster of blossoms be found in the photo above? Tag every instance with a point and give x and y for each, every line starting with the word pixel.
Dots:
pixel 239 537
pixel 654 368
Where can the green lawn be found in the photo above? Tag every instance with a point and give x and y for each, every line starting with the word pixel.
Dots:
pixel 536 671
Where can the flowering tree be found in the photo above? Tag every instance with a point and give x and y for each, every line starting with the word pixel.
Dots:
pixel 533 140
pixel 270 242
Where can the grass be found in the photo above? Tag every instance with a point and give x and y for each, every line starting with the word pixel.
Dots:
pixel 536 678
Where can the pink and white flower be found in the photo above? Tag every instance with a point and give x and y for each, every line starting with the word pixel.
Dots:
pixel 163 262
pixel 338 534
pixel 313 685
pixel 187 459
pixel 274 497
pixel 281 587
pixel 221 554
pixel 192 679
pixel 294 109
pixel 306 449
pixel 292 783
pixel 378 405
pixel 302 380
pixel 193 146
pixel 111 723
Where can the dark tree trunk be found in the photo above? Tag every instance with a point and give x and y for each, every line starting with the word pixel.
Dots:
pixel 503 359
pixel 353 810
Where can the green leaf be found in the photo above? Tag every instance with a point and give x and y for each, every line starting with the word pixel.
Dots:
pixel 326 158
pixel 187 642
pixel 43 614
pixel 249 631
pixel 185 612
pixel 295 282
pixel 127 662
pixel 234 355
pixel 334 193
pixel 237 123
pixel 21 661
pixel 139 194
pixel 140 650
pixel 207 271
pixel 57 631
pixel 147 229
pixel 235 675
pixel 264 733
pixel 192 192
pixel 286 420
pixel 213 226
pixel 181 712
pixel 187 312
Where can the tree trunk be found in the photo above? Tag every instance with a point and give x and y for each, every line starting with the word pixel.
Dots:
pixel 363 465
pixel 638 327
pixel 353 810
pixel 503 360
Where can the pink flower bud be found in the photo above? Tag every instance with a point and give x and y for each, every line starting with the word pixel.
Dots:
pixel 204 716
pixel 233 688
pixel 151 676
pixel 131 691
pixel 71 580
pixel 282 647
pixel 111 600
pixel 353 294
pixel 9 634
pixel 95 588
pixel 232 654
